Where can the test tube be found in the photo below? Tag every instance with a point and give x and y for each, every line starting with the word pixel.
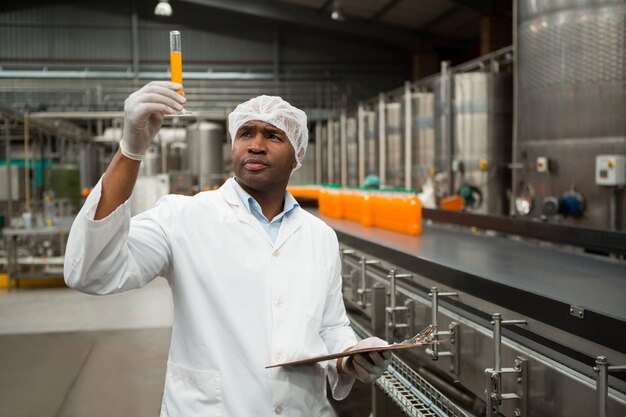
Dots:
pixel 176 59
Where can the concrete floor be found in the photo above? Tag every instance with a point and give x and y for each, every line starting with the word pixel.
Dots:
pixel 63 353
pixel 67 354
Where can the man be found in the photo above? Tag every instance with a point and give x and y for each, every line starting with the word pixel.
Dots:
pixel 255 279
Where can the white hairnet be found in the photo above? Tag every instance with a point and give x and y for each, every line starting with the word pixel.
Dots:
pixel 278 113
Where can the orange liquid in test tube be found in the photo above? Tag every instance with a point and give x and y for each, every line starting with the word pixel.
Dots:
pixel 176 67
pixel 176 59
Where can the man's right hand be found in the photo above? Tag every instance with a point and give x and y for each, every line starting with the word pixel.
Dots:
pixel 143 115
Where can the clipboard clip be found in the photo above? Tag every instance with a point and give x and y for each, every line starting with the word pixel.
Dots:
pixel 424 337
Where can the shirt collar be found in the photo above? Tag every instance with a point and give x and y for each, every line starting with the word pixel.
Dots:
pixel 251 204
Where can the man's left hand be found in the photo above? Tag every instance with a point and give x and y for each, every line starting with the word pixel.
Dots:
pixel 366 367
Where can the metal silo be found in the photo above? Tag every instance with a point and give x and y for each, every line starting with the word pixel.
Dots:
pixel 371 143
pixel 336 154
pixel 394 118
pixel 571 104
pixel 323 152
pixel 482 117
pixel 204 152
pixel 352 152
pixel 423 137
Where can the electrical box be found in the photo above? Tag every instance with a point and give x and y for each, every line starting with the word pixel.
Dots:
pixel 611 170
pixel 542 164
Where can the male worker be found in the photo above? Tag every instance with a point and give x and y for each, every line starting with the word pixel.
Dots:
pixel 255 279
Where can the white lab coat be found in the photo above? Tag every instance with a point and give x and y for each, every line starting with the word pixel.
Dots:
pixel 240 301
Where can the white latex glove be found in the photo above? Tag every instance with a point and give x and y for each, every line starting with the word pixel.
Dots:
pixel 143 115
pixel 366 367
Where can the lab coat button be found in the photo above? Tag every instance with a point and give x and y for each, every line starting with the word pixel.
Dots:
pixel 278 303
pixel 278 410
pixel 275 253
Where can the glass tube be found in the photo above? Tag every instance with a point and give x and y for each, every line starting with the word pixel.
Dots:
pixel 176 59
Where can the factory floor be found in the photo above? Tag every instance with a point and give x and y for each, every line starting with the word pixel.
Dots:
pixel 67 354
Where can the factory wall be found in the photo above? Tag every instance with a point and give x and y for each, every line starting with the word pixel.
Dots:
pixel 98 36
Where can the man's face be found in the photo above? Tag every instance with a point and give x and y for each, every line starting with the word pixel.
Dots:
pixel 263 157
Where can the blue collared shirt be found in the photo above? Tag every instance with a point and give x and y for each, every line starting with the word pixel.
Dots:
pixel 254 208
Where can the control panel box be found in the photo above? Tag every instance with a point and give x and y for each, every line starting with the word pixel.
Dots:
pixel 611 170
pixel 543 164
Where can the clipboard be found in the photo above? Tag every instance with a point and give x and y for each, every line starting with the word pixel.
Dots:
pixel 322 358
pixel 423 338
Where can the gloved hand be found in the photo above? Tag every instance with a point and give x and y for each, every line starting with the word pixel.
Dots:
pixel 143 115
pixel 366 367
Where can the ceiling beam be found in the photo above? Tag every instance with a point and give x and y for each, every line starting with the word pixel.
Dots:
pixel 480 6
pixel 438 19
pixel 399 37
pixel 324 6
pixel 383 10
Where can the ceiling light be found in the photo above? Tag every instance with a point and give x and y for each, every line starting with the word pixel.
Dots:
pixel 163 8
pixel 337 12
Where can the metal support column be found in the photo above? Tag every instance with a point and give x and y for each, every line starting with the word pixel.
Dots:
pixel 408 134
pixel 361 139
pixel 382 140
pixel 446 121
pixel 7 147
pixel 318 152
pixel 392 320
pixel 494 375
pixel 330 145
pixel 452 332
pixel 602 370
pixel 343 148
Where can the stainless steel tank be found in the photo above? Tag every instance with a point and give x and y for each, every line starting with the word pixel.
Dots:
pixel 572 95
pixel 306 173
pixel 423 137
pixel 336 127
pixel 371 143
pixel 394 119
pixel 322 141
pixel 482 122
pixel 352 152
pixel 204 151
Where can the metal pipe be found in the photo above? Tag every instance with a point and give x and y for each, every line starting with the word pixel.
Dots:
pixel 613 221
pixel 602 381
pixel 433 320
pixel 392 290
pixel 134 24
pixel 363 281
pixel 330 145
pixel 343 147
pixel 27 161
pixel 382 140
pixel 7 144
pixel 276 53
pixel 497 340
pixel 361 138
pixel 408 126
pixel 446 122
pixel 515 111
pixel 318 152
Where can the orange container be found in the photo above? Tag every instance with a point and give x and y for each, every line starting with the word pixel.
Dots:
pixel 367 212
pixel 452 203
pixel 352 205
pixel 398 212
pixel 330 202
pixel 305 191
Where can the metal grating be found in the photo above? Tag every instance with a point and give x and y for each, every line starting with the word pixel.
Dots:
pixel 412 393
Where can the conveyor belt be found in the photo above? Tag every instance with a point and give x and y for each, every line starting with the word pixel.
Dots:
pixel 536 281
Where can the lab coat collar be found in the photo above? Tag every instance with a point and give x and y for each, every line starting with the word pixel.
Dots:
pixel 288 227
